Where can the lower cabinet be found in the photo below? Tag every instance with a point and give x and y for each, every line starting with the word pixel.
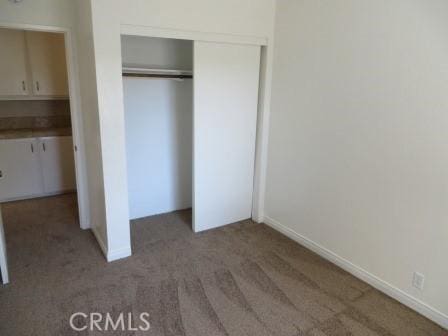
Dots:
pixel 57 162
pixel 36 167
pixel 20 169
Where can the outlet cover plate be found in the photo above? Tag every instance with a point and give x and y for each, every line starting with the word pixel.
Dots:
pixel 418 280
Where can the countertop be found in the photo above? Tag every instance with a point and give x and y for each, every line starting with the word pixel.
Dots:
pixel 34 133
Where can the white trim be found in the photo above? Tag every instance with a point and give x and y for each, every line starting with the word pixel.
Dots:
pixel 111 255
pixel 263 121
pixel 100 241
pixel 137 30
pixel 51 194
pixel 77 131
pixel 33 27
pixel 119 254
pixel 75 111
pixel 388 289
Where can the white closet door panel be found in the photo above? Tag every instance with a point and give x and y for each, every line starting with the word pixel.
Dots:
pixel 58 167
pixel 13 77
pixel 226 79
pixel 48 63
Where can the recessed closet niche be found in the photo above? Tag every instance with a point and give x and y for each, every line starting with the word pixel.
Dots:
pixel 158 106
pixel 182 154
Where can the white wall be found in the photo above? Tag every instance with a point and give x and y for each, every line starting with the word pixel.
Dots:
pixel 236 17
pixel 158 117
pixel 209 19
pixel 159 127
pixel 358 141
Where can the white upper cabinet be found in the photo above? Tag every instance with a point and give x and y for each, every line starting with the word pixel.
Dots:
pixel 47 63
pixel 32 65
pixel 13 71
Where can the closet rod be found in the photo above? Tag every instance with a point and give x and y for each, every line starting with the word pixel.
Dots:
pixel 169 76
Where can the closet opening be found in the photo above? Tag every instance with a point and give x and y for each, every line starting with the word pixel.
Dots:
pixel 158 110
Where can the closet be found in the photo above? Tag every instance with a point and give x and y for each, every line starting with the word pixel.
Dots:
pixel 158 107
pixel 190 120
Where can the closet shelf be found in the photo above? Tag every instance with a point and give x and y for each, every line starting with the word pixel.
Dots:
pixel 132 71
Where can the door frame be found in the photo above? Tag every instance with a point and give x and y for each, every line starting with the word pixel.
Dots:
pixel 75 113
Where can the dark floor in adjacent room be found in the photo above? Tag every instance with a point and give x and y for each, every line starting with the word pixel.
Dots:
pixel 243 279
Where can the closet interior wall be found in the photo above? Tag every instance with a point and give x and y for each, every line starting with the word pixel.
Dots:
pixel 159 126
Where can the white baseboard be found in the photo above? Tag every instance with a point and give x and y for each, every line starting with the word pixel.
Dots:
pixel 259 218
pixel 388 289
pixel 42 195
pixel 100 241
pixel 111 255
pixel 119 254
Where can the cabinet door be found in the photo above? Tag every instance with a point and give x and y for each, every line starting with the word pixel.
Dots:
pixel 13 79
pixel 20 170
pixel 226 80
pixel 57 160
pixel 46 52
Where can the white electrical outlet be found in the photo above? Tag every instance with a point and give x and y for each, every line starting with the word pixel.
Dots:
pixel 418 280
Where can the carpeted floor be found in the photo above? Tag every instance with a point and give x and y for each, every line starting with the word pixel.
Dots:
pixel 243 279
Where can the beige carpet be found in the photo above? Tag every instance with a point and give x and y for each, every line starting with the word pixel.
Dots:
pixel 243 279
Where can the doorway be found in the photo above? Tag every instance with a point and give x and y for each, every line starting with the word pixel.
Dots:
pixel 158 108
pixel 40 120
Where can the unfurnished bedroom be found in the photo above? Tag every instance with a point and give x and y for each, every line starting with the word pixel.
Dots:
pixel 223 168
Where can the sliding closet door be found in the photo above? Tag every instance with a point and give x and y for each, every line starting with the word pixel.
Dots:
pixel 226 80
